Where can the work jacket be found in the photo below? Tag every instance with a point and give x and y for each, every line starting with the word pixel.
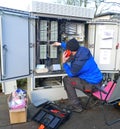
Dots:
pixel 82 65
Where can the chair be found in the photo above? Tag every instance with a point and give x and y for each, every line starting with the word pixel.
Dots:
pixel 110 95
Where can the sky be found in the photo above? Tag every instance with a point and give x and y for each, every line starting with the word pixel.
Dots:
pixel 24 4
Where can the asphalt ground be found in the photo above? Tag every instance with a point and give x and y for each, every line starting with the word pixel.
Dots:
pixel 91 118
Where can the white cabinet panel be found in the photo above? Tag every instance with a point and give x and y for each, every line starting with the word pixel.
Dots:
pixel 14 46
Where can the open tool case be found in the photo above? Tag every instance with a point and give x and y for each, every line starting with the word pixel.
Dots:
pixel 50 116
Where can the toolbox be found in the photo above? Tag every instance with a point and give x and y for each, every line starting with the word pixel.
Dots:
pixel 50 116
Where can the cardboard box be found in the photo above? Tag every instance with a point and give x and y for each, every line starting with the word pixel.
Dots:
pixel 18 115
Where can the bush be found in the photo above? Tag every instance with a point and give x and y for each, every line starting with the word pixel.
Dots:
pixel 22 83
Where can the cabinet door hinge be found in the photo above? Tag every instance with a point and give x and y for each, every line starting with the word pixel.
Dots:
pixel 31 71
pixel 32 45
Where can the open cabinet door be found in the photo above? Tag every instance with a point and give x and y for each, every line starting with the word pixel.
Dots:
pixel 105 46
pixel 14 39
pixel 103 38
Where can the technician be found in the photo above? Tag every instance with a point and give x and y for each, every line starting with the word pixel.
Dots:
pixel 82 70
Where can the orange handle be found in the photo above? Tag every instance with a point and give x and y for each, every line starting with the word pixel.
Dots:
pixel 41 126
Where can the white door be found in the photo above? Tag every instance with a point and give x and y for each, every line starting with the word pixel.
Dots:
pixel 14 43
pixel 105 46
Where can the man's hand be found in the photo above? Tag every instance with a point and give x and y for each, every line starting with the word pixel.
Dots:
pixel 56 44
pixel 64 58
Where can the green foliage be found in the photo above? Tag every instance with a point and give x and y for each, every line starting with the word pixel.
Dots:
pixel 22 83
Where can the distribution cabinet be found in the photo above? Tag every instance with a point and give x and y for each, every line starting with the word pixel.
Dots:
pixel 26 44
pixel 26 40
pixel 55 23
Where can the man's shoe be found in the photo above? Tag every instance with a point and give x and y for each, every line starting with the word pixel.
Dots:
pixel 78 109
pixel 75 108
